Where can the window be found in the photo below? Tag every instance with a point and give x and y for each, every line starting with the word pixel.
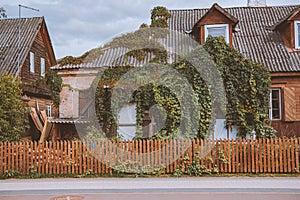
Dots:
pixel 217 30
pixel 31 62
pixel 48 110
pixel 127 121
pixel 275 104
pixel 297 34
pixel 42 67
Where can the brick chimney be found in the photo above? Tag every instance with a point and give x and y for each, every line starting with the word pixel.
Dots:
pixel 257 3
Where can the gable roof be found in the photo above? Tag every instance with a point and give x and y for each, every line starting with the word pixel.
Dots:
pixel 287 18
pixel 9 42
pixel 222 11
pixel 253 39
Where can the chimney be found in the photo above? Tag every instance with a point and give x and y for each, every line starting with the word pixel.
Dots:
pixel 257 3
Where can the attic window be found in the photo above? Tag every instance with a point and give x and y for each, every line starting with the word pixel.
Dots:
pixel 217 30
pixel 297 34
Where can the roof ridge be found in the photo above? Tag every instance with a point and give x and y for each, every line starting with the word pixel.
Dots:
pixel 22 18
pixel 247 7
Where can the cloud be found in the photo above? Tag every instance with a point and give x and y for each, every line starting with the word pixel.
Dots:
pixel 76 26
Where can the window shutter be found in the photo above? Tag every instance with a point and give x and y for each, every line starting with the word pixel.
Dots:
pixel 289 100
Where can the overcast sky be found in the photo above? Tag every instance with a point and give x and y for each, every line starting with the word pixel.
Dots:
pixel 77 26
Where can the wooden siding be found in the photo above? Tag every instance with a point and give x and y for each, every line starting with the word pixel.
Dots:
pixel 289 126
pixel 287 37
pixel 287 32
pixel 286 129
pixel 214 17
pixel 289 103
pixel 40 51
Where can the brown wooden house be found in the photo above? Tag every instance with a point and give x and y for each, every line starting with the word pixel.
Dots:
pixel 28 56
pixel 268 34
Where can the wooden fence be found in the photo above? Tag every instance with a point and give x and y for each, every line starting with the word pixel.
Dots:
pixel 101 157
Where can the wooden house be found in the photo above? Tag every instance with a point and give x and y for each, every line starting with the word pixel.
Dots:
pixel 269 35
pixel 26 52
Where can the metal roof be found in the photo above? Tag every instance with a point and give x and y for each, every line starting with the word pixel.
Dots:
pixel 175 43
pixel 9 42
pixel 68 121
pixel 254 39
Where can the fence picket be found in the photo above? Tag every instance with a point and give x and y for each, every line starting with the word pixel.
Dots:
pixel 272 147
pixel 297 142
pixel 288 156
pixel 280 156
pixel 64 157
pixel 257 146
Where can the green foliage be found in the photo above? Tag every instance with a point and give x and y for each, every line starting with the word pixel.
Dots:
pixel 107 120
pixel 159 17
pixel 154 94
pixel 11 174
pixel 143 25
pixel 13 113
pixel 94 134
pixel 88 56
pixel 247 88
pixel 192 167
pixel 33 173
pixel 135 167
pixel 54 82
pixel 2 13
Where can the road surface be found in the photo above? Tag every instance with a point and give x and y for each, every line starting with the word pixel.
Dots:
pixel 232 188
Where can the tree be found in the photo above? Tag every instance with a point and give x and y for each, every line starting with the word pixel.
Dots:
pixel 2 13
pixel 13 113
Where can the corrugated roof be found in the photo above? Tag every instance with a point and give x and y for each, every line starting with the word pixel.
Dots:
pixel 68 121
pixel 175 43
pixel 9 41
pixel 254 39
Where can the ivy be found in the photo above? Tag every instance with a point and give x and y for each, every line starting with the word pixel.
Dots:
pixel 155 94
pixel 54 82
pixel 247 88
pixel 159 17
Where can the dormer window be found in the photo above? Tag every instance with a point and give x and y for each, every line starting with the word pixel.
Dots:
pixel 297 34
pixel 217 30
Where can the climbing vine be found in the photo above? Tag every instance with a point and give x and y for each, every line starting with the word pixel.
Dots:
pixel 247 88
pixel 246 85
pixel 154 94
pixel 159 17
pixel 54 82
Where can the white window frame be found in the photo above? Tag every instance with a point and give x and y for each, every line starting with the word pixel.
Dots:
pixel 280 105
pixel 42 66
pixel 48 110
pixel 31 60
pixel 296 25
pixel 206 27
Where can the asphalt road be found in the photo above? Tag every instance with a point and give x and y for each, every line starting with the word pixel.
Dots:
pixel 232 188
